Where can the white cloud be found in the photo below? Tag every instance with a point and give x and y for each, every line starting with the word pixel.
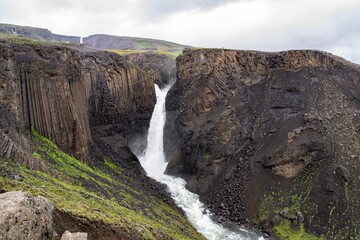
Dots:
pixel 245 24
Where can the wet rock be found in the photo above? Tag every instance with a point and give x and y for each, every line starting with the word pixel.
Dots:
pixel 23 216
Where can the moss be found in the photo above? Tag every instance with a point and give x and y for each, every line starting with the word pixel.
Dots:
pixel 346 189
pixel 294 200
pixel 286 231
pixel 91 193
pixel 207 158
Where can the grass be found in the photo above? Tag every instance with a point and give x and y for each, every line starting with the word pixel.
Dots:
pixel 91 193
pixel 171 54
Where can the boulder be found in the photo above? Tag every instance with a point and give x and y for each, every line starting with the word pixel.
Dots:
pixel 23 216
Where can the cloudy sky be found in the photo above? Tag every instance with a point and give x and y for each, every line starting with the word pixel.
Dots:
pixel 270 25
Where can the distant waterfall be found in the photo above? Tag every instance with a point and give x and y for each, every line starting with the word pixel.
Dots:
pixel 153 161
pixel 13 30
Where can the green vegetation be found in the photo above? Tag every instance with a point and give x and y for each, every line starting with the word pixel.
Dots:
pixel 96 194
pixel 171 54
pixel 293 201
pixel 286 231
pixel 22 40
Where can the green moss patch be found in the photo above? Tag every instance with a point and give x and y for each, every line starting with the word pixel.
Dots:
pixel 286 231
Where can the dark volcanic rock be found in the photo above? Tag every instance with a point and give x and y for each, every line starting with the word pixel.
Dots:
pixel 63 92
pixel 160 67
pixel 255 132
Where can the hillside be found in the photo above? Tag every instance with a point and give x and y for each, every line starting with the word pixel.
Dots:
pixel 36 33
pixel 109 42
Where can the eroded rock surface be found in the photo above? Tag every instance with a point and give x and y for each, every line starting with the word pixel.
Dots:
pixel 23 216
pixel 256 132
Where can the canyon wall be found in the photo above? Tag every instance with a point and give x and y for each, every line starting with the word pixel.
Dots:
pixel 270 138
pixel 62 92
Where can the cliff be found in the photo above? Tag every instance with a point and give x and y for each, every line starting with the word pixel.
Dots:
pixel 63 91
pixel 270 138
pixel 36 33
pixel 67 115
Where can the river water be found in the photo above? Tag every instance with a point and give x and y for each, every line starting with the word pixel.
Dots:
pixel 153 161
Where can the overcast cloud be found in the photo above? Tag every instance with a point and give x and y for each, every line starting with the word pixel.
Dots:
pixel 270 25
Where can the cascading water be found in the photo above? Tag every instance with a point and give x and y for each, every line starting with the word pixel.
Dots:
pixel 153 161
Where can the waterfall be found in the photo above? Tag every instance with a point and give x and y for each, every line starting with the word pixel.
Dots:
pixel 153 161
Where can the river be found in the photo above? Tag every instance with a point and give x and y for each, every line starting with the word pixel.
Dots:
pixel 153 161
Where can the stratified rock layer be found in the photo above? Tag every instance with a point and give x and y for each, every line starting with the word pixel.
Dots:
pixel 255 133
pixel 23 216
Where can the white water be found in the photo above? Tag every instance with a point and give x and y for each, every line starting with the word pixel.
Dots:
pixel 153 161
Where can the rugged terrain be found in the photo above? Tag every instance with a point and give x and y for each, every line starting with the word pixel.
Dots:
pixel 67 114
pixel 36 33
pixel 270 138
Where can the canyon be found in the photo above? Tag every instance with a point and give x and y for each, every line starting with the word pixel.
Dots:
pixel 266 139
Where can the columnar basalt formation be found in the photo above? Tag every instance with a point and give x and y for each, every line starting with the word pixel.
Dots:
pixel 60 92
pixel 269 137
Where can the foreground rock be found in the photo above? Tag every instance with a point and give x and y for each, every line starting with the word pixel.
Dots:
pixel 269 137
pixel 23 216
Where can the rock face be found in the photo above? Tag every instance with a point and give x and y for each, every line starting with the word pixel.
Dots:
pixel 63 92
pixel 102 41
pixel 23 216
pixel 255 133
pixel 36 33
pixel 160 67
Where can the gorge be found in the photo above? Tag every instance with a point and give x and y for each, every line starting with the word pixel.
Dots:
pixel 262 139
